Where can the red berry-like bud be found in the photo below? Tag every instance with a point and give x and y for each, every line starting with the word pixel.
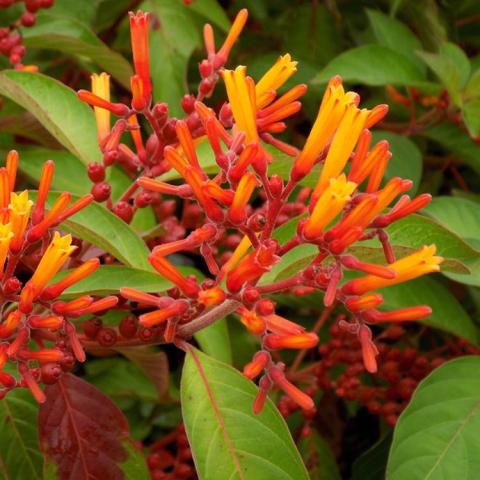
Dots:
pixel 128 326
pixel 123 210
pixel 68 362
pixel 101 191
pixel 265 307
pixel 276 185
pixel 250 295
pixel 206 86
pixel 143 199
pixel 257 222
pixel 107 337
pixel 160 112
pixel 188 104
pixel 91 327
pixel 50 373
pixel 12 285
pixel 96 172
pixel 28 19
pixel 205 68
pixel 110 157
pixel 32 5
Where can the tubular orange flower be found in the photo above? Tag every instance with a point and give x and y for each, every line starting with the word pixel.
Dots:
pixel 254 323
pixel 243 108
pixel 329 205
pixel 259 362
pixel 274 78
pixel 214 190
pixel 42 356
pixel 19 213
pixel 252 266
pixel 4 193
pixel 159 316
pixel 415 265
pixel 300 398
pixel 400 315
pixel 6 236
pixel 332 110
pixel 232 36
pixel 365 302
pixel 245 188
pixel 11 164
pixel 165 268
pixel 353 263
pixel 10 324
pixel 138 95
pixel 101 88
pixel 282 326
pixel 53 322
pixel 342 146
pixel 299 342
pixel 140 50
pixel 48 169
pixel 369 350
pixel 81 272
pixel 211 297
pixel 55 256
pixel 140 297
pixel 363 162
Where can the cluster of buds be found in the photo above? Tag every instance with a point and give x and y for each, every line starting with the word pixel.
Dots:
pixel 351 202
pixel 10 37
pixel 36 330
pixel 170 458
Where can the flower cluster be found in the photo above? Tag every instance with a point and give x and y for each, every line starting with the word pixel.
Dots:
pixel 10 37
pixel 36 332
pixel 351 202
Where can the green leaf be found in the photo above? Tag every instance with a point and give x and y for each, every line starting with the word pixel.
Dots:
pixel 436 436
pixel 215 341
pixel 451 66
pixel 315 36
pixel 455 141
pixel 212 12
pixel 318 457
pixel 459 215
pixel 20 456
pixel 372 463
pixel 70 173
pixel 171 45
pixel 227 439
pixel 101 227
pixel 68 35
pixel 109 279
pixel 472 88
pixel 57 108
pixel 134 467
pixel 471 116
pixel 373 65
pixel 406 161
pixel 447 312
pixel 392 33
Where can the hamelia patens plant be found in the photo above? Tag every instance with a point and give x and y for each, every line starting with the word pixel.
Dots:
pixel 351 202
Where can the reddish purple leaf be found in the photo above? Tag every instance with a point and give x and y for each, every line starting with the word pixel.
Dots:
pixel 82 431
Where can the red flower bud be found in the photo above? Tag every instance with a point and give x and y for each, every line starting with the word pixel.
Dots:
pixel 101 191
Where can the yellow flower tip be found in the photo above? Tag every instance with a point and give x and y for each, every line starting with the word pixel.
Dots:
pixel 5 232
pixel 101 88
pixel 329 205
pixel 19 203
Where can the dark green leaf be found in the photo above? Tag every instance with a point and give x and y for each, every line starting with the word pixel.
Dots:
pixel 437 434
pixel 135 467
pixel 372 65
pixel 57 108
pixel 227 439
pixel 318 457
pixel 70 173
pixel 471 116
pixel 392 33
pixel 212 12
pixel 20 456
pixel 68 35
pixel 373 462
